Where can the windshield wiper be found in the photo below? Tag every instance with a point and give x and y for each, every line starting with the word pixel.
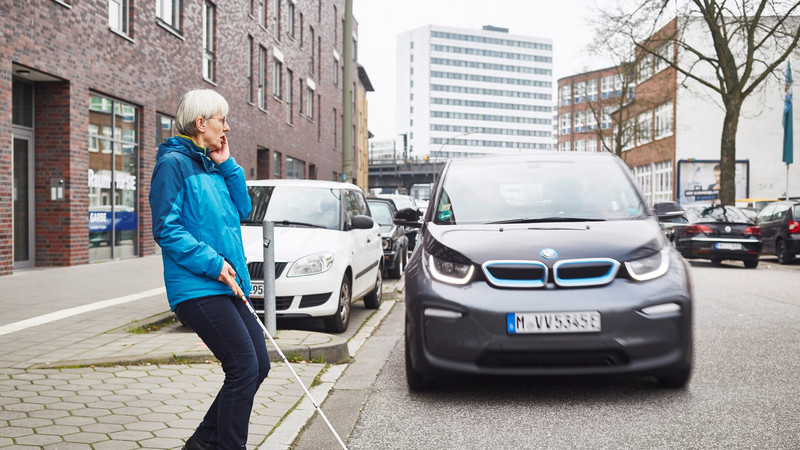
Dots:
pixel 288 223
pixel 549 219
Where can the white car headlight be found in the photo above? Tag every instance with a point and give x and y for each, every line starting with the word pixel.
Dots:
pixel 311 264
pixel 450 272
pixel 649 267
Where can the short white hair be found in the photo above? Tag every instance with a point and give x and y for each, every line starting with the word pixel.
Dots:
pixel 198 103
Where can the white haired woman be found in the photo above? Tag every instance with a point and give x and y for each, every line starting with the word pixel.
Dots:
pixel 198 198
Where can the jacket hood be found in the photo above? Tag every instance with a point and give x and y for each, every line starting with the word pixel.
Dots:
pixel 620 240
pixel 185 145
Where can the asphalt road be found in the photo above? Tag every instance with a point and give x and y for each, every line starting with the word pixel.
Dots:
pixel 744 392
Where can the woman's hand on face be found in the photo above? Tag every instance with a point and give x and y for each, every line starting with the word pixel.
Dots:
pixel 221 154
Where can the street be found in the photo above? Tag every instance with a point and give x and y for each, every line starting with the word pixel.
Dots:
pixel 743 394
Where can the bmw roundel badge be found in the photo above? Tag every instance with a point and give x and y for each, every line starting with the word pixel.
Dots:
pixel 548 253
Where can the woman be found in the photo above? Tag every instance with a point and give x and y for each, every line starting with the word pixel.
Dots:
pixel 198 198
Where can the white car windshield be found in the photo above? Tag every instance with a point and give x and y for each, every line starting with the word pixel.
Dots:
pixel 536 191
pixel 295 206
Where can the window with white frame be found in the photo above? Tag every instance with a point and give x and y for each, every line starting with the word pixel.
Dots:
pixel 119 15
pixel 566 95
pixel 259 11
pixel 664 53
pixel 607 86
pixel 579 122
pixel 565 146
pixel 276 19
pixel 663 116
pixel 645 67
pixel 209 16
pixel 566 125
pixel 591 89
pixel 618 85
pixel 591 145
pixel 605 118
pixel 580 145
pixel 580 92
pixel 335 71
pixel 277 78
pixel 627 134
pixel 591 120
pixel 290 18
pixel 608 144
pixel 262 77
pixel 310 103
pixel 644 175
pixel 662 181
pixel 644 128
pixel 168 13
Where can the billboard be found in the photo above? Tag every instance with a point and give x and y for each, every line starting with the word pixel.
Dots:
pixel 698 181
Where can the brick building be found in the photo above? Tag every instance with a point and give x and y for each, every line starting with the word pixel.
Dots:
pixel 89 89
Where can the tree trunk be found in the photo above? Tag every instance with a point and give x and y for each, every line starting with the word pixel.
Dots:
pixel 730 125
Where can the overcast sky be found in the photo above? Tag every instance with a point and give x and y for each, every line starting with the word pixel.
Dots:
pixel 380 21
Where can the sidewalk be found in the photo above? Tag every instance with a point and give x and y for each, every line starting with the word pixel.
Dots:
pixel 73 376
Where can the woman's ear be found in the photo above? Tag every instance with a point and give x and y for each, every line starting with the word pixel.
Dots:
pixel 200 124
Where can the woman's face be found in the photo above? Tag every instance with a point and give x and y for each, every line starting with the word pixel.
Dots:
pixel 215 128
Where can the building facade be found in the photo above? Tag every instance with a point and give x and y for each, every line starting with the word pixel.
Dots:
pixel 463 92
pixel 88 90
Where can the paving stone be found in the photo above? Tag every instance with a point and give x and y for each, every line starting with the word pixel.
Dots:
pixel 130 410
pixel 104 428
pixel 130 435
pixel 50 413
pixel 179 433
pixel 58 430
pixel 24 407
pixel 14 432
pixel 115 445
pixel 10 415
pixel 66 405
pixel 76 421
pixel 30 422
pixel 146 426
pixel 161 443
pixel 67 446
pixel 86 438
pixel 6 442
pixel 91 412
pixel 118 419
pixel 38 440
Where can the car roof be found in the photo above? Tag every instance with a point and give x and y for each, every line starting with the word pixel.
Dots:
pixel 535 155
pixel 320 184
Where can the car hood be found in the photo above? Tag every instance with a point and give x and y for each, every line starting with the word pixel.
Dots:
pixel 620 240
pixel 291 243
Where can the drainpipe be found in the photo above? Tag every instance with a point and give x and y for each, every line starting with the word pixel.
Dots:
pixel 347 94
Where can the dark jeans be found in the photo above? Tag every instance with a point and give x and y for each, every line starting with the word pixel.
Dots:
pixel 232 333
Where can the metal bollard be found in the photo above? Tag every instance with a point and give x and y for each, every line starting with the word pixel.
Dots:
pixel 269 276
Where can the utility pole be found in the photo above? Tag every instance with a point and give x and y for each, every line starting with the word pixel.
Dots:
pixel 347 93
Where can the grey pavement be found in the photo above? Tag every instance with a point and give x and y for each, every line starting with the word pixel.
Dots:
pixel 74 376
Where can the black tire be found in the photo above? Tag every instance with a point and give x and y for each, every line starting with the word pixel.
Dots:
pixel 338 322
pixel 751 263
pixel 782 252
pixel 396 272
pixel 373 299
pixel 675 379
pixel 417 381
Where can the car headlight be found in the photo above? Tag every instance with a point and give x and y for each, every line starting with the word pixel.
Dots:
pixel 649 267
pixel 311 264
pixel 387 243
pixel 450 272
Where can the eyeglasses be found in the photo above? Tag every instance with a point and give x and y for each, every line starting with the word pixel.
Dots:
pixel 221 119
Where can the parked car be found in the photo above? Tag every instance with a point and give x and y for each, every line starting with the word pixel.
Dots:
pixel 717 233
pixel 780 229
pixel 670 216
pixel 546 263
pixel 401 202
pixel 395 242
pixel 327 249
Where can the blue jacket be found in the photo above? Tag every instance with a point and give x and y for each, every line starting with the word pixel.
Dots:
pixel 197 208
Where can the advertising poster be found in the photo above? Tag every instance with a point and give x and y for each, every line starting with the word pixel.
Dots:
pixel 698 181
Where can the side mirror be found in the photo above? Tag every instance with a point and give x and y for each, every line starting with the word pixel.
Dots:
pixel 361 222
pixel 408 217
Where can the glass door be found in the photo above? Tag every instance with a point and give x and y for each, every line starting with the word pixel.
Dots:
pixel 23 199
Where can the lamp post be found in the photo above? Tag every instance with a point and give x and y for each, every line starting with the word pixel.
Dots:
pixel 474 130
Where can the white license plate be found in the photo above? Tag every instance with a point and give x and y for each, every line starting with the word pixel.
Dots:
pixel 257 290
pixel 728 246
pixel 553 322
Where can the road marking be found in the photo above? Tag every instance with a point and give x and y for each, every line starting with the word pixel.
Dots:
pixel 69 312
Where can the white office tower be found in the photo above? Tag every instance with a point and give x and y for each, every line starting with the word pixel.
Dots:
pixel 464 92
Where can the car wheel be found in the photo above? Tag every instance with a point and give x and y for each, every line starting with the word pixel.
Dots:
pixel 397 271
pixel 751 263
pixel 782 252
pixel 338 322
pixel 675 379
pixel 417 381
pixel 374 298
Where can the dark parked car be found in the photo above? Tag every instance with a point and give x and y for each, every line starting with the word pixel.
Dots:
pixel 402 201
pixel 546 263
pixel 780 229
pixel 719 232
pixel 394 240
pixel 670 216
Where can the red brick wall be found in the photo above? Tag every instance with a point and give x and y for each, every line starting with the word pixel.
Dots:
pixel 152 70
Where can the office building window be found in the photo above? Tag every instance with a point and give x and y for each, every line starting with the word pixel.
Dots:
pixel 276 19
pixel 335 71
pixel 311 47
pixel 591 120
pixel 309 103
pixel 277 165
pixel 277 78
pixel 119 16
pixel 644 128
pixel 566 124
pixel 662 181
pixel 607 87
pixel 591 89
pixel 290 18
pixel 644 176
pixel 580 127
pixel 250 45
pixel 168 13
pixel 663 118
pixel 289 100
pixel 605 118
pixel 164 128
pixel 565 94
pixel 262 77
pixel 645 67
pixel 295 169
pixel 335 128
pixel 664 57
pixel 580 92
pixel 258 9
pixel 209 17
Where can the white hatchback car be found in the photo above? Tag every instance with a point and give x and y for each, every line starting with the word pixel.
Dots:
pixel 327 249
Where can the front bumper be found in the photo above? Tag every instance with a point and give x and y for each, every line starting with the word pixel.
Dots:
pixel 307 296
pixel 473 338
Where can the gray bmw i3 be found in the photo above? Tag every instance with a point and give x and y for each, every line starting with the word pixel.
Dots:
pixel 544 263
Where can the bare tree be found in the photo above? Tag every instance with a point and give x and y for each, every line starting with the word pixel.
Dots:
pixel 747 42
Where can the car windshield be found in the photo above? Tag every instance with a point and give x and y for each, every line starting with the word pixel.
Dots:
pixel 716 213
pixel 536 191
pixel 295 206
pixel 381 212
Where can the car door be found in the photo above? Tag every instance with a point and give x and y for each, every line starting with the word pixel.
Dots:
pixel 366 244
pixel 768 228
